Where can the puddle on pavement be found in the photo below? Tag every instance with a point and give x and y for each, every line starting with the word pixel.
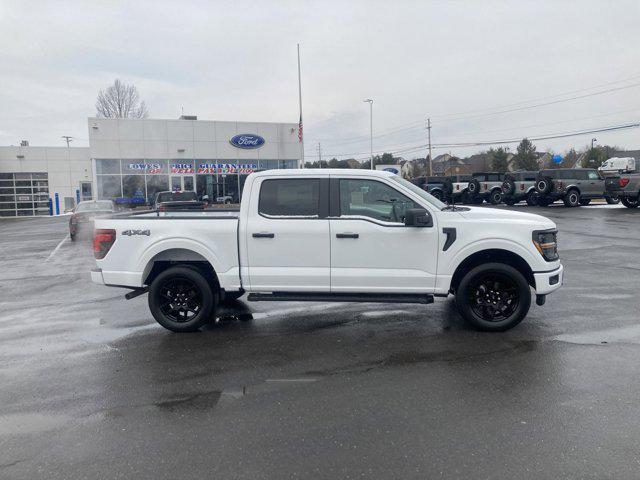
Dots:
pixel 629 334
pixel 27 423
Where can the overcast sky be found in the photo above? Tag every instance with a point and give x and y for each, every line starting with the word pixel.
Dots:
pixel 455 61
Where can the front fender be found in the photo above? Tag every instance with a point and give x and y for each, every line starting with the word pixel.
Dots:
pixel 465 252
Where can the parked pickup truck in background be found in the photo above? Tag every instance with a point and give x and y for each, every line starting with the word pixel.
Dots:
pixel 626 187
pixel 574 186
pixel 331 235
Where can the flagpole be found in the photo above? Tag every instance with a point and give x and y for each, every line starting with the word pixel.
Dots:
pixel 300 126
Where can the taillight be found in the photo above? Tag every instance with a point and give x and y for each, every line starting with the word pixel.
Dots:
pixel 457 187
pixel 103 239
pixel 560 184
pixel 162 208
pixel 522 186
pixel 485 186
pixel 623 182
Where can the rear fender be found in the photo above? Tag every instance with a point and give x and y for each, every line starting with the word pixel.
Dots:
pixel 181 244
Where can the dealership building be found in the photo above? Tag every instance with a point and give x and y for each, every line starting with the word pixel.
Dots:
pixel 129 160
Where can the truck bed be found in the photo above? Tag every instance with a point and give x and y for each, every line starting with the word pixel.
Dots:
pixel 149 236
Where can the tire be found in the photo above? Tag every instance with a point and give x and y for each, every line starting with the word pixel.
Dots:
pixel 447 185
pixel 511 201
pixel 72 236
pixel 178 291
pixel 508 186
pixel 495 197
pixel 612 200
pixel 465 199
pixel 493 297
pixel 438 194
pixel 585 201
pixel 544 185
pixel 532 198
pixel 544 201
pixel 630 202
pixel 572 198
pixel 473 187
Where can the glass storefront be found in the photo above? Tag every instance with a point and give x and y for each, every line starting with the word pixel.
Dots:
pixel 137 181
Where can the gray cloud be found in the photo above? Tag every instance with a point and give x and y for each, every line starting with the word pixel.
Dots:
pixel 236 61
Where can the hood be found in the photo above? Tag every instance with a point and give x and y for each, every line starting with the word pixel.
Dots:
pixel 507 216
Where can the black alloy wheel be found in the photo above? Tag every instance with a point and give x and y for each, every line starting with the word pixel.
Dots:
pixel 630 202
pixel 493 297
pixel 612 199
pixel 181 299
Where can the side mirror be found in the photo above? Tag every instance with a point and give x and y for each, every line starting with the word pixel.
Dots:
pixel 418 217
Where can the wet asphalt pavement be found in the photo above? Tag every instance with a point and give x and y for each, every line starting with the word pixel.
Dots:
pixel 91 387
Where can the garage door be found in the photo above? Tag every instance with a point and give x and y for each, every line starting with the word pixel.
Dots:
pixel 24 194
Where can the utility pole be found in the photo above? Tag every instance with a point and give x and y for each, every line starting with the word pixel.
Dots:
pixel 370 102
pixel 430 157
pixel 68 139
pixel 319 155
pixel 592 141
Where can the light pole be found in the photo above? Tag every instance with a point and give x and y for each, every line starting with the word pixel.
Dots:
pixel 592 141
pixel 370 102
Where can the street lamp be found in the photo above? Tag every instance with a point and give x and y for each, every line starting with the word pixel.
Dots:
pixel 593 140
pixel 370 102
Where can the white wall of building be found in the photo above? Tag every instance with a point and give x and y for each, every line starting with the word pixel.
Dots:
pixel 66 167
pixel 189 139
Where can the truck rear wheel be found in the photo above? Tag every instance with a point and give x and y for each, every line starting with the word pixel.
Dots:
pixel 493 297
pixel 182 300
pixel 630 202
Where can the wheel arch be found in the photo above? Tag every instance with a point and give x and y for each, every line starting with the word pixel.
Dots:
pixel 492 255
pixel 172 257
pixel 173 251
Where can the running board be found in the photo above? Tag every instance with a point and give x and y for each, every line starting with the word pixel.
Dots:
pixel 341 297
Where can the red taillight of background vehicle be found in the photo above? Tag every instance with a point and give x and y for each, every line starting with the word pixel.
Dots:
pixel 623 182
pixel 103 240
pixel 162 208
pixel 457 187
pixel 522 186
pixel 560 184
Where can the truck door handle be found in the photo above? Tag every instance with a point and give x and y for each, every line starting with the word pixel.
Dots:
pixel 347 235
pixel 264 235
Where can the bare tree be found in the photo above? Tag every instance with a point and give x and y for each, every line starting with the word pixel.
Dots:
pixel 120 101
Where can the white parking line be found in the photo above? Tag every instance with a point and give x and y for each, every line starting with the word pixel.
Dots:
pixel 55 250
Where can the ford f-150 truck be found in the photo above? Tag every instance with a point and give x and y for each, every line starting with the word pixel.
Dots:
pixel 626 187
pixel 331 235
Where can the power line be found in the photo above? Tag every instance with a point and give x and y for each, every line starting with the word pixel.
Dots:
pixel 550 136
pixel 505 109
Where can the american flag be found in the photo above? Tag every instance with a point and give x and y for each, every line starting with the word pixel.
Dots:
pixel 300 129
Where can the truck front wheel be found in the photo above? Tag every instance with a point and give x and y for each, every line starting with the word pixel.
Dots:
pixel 493 297
pixel 181 299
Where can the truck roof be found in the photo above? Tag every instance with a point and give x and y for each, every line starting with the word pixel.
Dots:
pixel 325 171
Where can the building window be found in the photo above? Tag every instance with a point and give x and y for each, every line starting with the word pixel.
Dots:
pixel 105 166
pixel 109 186
pixel 133 186
pixel 155 184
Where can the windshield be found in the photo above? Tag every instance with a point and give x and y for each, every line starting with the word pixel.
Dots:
pixel 176 197
pixel 417 190
pixel 95 207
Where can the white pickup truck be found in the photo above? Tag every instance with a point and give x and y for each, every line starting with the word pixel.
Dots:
pixel 331 235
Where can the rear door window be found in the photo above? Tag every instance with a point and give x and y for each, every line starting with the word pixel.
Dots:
pixel 290 197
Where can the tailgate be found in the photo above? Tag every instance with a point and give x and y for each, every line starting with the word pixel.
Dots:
pixel 612 184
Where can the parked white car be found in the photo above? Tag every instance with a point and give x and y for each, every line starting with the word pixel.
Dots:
pixel 324 235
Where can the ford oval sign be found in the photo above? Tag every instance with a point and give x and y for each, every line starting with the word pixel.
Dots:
pixel 247 140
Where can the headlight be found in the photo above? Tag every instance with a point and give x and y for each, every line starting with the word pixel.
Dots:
pixel 545 242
